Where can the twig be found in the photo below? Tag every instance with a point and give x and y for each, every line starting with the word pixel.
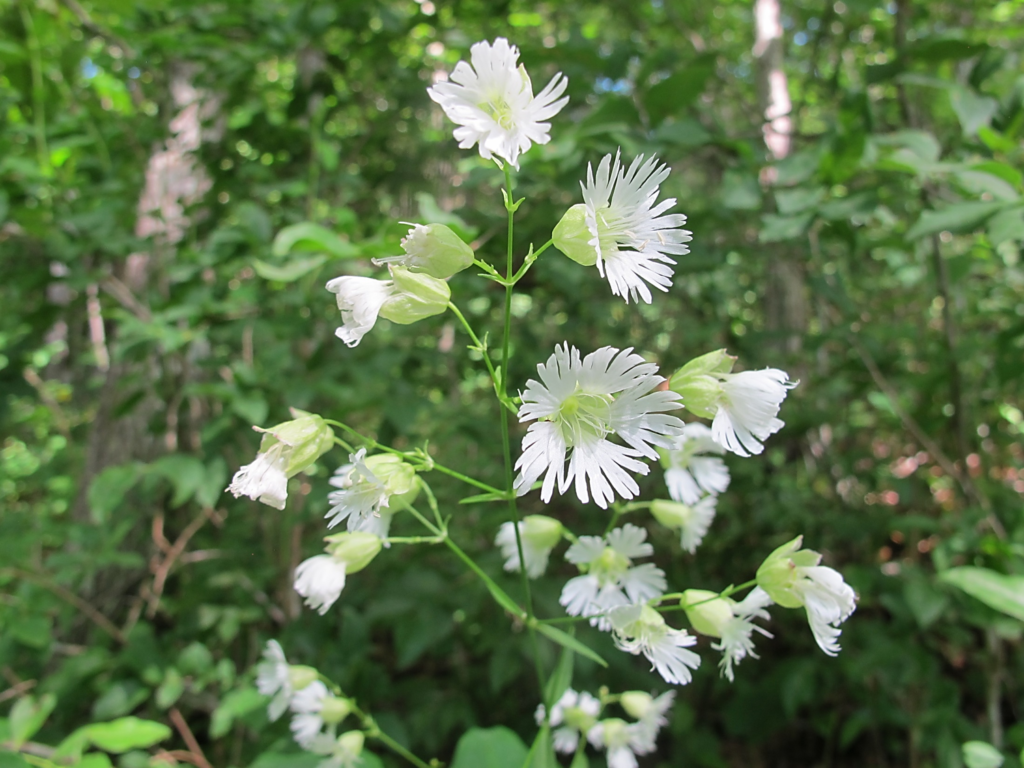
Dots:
pixel 70 597
pixel 190 740
pixel 59 418
pixel 17 690
pixel 161 568
pixel 87 22
pixel 126 298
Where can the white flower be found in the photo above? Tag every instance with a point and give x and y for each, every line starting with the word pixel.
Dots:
pixel 579 405
pixel 623 741
pixel 343 752
pixel 575 713
pixel 641 629
pixel 320 580
pixel 692 522
pixel 307 705
pixel 794 578
pixel 611 579
pixel 747 409
pixel 691 475
pixel 265 478
pixel 361 497
pixel 736 638
pixel 493 104
pixel 360 300
pixel 539 535
pixel 632 235
pixel 650 715
pixel 277 678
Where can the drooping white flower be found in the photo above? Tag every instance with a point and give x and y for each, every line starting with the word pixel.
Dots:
pixel 633 236
pixel 574 713
pixel 539 535
pixel 792 577
pixel 342 752
pixel 579 405
pixel 623 741
pixel 493 104
pixel 315 706
pixel 432 249
pixel 285 450
pixel 691 522
pixel 611 579
pixel 748 408
pixel 649 713
pixel 641 629
pixel 276 678
pixel 689 474
pixel 360 300
pixel 731 622
pixel 366 487
pixel 321 578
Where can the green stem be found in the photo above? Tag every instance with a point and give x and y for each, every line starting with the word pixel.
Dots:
pixel 374 732
pixel 371 443
pixel 483 351
pixel 505 441
pixel 38 88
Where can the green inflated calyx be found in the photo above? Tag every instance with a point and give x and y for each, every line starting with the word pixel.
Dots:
pixel 541 531
pixel 435 250
pixel 417 296
pixel 707 612
pixel 334 710
pixel 698 382
pixel 300 676
pixel 399 478
pixel 572 237
pixel 304 439
pixel 778 574
pixel 351 742
pixel 636 703
pixel 355 549
pixel 671 514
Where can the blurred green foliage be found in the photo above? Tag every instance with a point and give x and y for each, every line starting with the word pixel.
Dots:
pixel 882 268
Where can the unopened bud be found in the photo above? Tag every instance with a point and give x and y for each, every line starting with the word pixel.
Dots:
pixel 636 703
pixel 416 297
pixel 356 549
pixel 351 743
pixel 572 236
pixel 306 438
pixel 671 514
pixel 707 612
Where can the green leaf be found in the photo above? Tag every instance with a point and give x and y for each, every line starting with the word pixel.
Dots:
pixel 568 641
pixel 542 753
pixel 12 760
pixel 560 681
pixel 109 488
pixel 287 760
pixel 740 191
pixel 980 182
pixel 999 591
pixel 185 473
pixel 503 598
pixel 676 92
pixel 94 760
pixel 233 706
pixel 1006 225
pixel 307 236
pixel 961 217
pixel 775 228
pixel 580 760
pixel 289 272
pixel 127 733
pixel 974 110
pixel 791 201
pixel 980 754
pixel 28 715
pixel 170 689
pixel 483 497
pixel 497 747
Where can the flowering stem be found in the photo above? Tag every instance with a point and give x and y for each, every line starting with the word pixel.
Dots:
pixel 373 731
pixel 511 206
pixel 371 443
pixel 728 592
pixel 481 347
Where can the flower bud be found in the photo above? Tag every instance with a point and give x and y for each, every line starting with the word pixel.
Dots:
pixel 305 438
pixel 708 613
pixel 671 514
pixel 541 531
pixel 572 236
pixel 636 703
pixel 435 250
pixel 356 549
pixel 300 676
pixel 351 743
pixel 778 573
pixel 333 710
pixel 416 297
